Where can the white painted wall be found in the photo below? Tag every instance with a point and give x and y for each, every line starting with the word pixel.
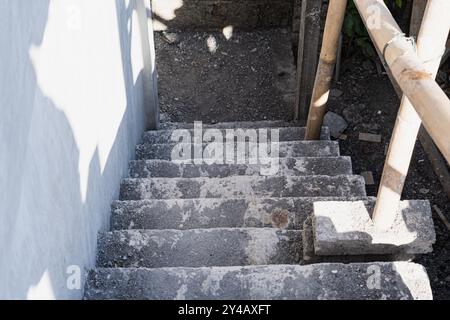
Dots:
pixel 71 112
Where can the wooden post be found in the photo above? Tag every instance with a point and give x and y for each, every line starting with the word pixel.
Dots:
pixel 430 47
pixel 308 55
pixel 327 61
pixel 150 78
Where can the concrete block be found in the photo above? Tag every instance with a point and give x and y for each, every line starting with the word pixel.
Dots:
pixel 310 257
pixel 346 228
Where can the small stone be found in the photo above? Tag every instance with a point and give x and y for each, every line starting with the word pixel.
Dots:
pixel 171 37
pixel 336 93
pixel 335 123
pixel 368 178
pixel 369 137
pixel 343 137
pixel 424 191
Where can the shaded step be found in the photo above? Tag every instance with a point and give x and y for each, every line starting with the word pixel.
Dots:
pixel 284 213
pixel 284 134
pixel 292 149
pixel 243 187
pixel 286 166
pixel 398 281
pixel 231 125
pixel 199 247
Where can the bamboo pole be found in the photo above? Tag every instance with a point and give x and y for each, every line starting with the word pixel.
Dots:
pixel 325 69
pixel 428 99
pixel 430 47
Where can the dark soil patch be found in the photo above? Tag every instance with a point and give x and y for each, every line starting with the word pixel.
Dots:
pixel 215 76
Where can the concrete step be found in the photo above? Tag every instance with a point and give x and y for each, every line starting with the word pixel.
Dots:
pixel 231 125
pixel 182 214
pixel 284 133
pixel 199 247
pixel 292 149
pixel 243 187
pixel 397 281
pixel 286 166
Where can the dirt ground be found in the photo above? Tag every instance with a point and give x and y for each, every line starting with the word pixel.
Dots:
pixel 370 104
pixel 245 76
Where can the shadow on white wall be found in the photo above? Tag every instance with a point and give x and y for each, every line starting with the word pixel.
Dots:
pixel 63 149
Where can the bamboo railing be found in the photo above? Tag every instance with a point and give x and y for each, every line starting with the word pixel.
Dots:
pixel 413 69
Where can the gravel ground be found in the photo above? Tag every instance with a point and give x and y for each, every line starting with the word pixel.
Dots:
pixel 370 104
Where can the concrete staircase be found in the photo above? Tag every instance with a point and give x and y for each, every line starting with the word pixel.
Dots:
pixel 185 231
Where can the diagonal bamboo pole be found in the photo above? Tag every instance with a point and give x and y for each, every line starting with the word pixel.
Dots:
pixel 325 69
pixel 430 48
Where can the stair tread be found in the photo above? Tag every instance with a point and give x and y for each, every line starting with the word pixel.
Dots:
pixel 290 133
pixel 400 280
pixel 232 125
pixel 323 148
pixel 242 186
pixel 199 247
pixel 286 166
pixel 284 213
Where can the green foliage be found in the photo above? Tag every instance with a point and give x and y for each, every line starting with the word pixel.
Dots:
pixel 356 32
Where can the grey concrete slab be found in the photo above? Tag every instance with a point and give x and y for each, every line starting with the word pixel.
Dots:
pixel 330 166
pixel 359 281
pixel 232 125
pixel 283 213
pixel 243 187
pixel 293 149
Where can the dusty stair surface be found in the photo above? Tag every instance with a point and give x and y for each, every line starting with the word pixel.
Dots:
pixel 224 231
